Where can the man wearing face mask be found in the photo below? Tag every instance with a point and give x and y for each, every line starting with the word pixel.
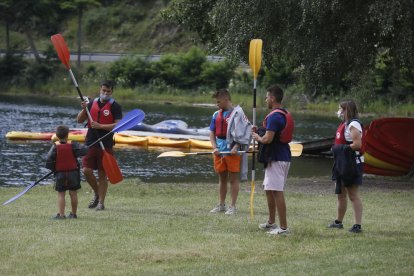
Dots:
pixel 105 113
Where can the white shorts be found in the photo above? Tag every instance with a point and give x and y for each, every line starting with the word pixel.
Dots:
pixel 276 174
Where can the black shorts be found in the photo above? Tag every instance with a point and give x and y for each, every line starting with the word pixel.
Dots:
pixel 69 180
pixel 357 180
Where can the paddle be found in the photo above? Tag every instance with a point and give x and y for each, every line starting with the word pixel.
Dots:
pixel 130 120
pixel 27 189
pixel 255 60
pixel 295 149
pixel 182 154
pixel 108 161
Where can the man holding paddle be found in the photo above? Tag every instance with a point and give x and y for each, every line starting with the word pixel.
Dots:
pixel 105 114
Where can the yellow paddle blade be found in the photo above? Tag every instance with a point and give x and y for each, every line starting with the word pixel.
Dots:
pixel 255 56
pixel 296 149
pixel 174 153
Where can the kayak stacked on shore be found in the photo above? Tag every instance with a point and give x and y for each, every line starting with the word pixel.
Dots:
pixel 389 142
pixel 389 147
pixel 137 138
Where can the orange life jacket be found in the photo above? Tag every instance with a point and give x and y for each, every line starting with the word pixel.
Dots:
pixel 65 158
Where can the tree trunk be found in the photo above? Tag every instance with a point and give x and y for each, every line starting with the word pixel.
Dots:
pixel 32 45
pixel 79 36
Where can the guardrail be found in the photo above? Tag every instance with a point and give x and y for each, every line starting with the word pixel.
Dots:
pixel 105 57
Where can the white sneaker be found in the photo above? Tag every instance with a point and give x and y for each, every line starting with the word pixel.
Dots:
pixel 279 231
pixel 219 208
pixel 231 211
pixel 268 226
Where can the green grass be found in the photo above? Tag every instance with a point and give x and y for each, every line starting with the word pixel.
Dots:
pixel 159 229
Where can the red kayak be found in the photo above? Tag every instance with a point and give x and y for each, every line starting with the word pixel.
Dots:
pixel 394 136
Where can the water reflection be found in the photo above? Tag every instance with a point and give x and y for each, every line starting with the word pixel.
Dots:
pixel 22 162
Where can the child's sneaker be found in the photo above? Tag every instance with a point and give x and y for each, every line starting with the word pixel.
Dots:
pixel 231 211
pixel 268 226
pixel 72 216
pixel 58 216
pixel 334 224
pixel 279 231
pixel 219 208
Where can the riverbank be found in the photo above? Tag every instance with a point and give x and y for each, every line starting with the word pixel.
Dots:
pixel 295 102
pixel 158 229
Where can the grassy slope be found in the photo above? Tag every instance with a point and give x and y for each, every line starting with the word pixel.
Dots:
pixel 166 229
pixel 127 26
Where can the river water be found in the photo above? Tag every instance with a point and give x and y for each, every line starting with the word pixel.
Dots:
pixel 22 162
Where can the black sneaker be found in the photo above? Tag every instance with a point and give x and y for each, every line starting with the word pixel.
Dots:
pixel 58 216
pixel 355 229
pixel 94 201
pixel 72 216
pixel 336 225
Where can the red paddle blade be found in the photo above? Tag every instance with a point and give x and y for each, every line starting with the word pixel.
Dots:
pixel 61 48
pixel 111 168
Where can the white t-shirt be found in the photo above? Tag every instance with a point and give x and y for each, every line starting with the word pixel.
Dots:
pixel 348 137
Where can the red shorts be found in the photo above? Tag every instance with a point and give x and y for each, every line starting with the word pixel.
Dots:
pixel 93 159
pixel 230 163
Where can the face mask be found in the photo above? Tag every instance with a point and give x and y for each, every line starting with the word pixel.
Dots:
pixel 104 97
pixel 340 115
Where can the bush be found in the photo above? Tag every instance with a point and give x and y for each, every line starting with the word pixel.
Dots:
pixel 190 70
pixel 11 68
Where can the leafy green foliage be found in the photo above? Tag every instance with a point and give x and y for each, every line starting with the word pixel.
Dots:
pixel 331 44
pixel 185 70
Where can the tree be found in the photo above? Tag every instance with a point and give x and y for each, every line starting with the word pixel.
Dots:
pixel 79 6
pixel 331 43
pixel 34 17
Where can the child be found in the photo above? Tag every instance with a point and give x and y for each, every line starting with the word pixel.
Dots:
pixel 62 160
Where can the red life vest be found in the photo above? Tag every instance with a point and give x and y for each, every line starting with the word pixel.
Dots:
pixel 65 158
pixel 286 135
pixel 340 136
pixel 102 115
pixel 222 124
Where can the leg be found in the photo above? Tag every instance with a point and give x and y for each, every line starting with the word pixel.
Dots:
pixel 353 194
pixel 91 179
pixel 103 186
pixel 74 201
pixel 281 208
pixel 61 203
pixel 342 204
pixel 234 187
pixel 223 187
pixel 271 205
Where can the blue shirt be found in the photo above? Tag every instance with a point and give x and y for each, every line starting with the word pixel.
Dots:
pixel 276 122
pixel 221 143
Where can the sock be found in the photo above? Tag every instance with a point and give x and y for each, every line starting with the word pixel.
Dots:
pixel 338 221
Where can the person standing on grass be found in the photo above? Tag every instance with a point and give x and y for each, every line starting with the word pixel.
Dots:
pixel 227 166
pixel 62 159
pixel 348 166
pixel 105 113
pixel 275 135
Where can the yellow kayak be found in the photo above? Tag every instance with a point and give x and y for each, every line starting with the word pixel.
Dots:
pixel 165 142
pixel 200 144
pixel 24 135
pixel 375 162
